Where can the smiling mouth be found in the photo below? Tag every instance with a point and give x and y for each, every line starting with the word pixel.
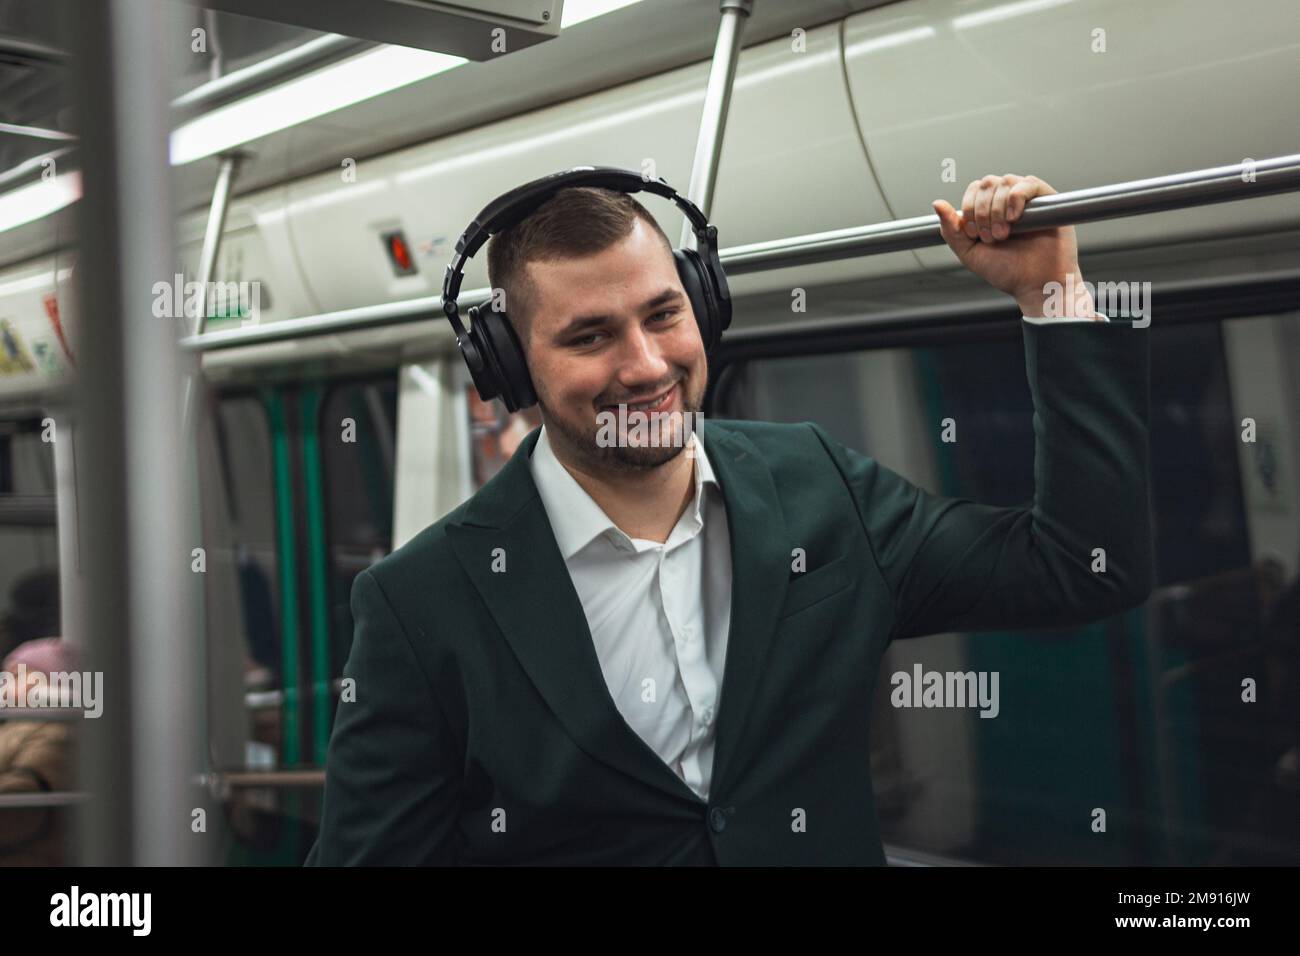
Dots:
pixel 653 403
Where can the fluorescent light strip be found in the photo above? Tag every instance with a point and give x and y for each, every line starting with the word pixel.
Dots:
pixel 1006 11
pixel 42 281
pixel 360 78
pixel 579 11
pixel 37 200
pixel 901 38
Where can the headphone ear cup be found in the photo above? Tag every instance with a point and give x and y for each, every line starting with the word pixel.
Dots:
pixel 690 269
pixel 474 351
pixel 506 358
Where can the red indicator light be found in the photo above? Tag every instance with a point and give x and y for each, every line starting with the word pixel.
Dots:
pixel 399 253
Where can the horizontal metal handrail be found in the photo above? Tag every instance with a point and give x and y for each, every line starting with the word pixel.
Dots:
pixel 44 798
pixel 311 55
pixel 266 699
pixel 252 779
pixel 1137 197
pixel 42 713
pixel 1134 198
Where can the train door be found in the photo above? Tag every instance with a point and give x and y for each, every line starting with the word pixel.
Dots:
pixel 298 498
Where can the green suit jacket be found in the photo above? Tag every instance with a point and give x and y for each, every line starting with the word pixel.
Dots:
pixel 482 731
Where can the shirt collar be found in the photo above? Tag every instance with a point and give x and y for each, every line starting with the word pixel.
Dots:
pixel 575 517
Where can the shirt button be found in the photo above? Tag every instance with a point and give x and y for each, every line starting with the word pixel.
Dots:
pixel 717 820
pixel 707 715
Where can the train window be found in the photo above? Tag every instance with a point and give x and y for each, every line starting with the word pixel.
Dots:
pixel 1141 714
pixel 358 435
pixel 31 753
pixel 29 546
pixel 248 546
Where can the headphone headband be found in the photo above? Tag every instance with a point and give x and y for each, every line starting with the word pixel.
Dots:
pixel 521 202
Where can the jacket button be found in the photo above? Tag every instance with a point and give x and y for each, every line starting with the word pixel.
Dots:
pixel 717 820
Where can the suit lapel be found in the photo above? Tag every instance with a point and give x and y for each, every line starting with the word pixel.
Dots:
pixel 760 571
pixel 535 605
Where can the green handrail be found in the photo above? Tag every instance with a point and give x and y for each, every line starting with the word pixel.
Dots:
pixel 317 571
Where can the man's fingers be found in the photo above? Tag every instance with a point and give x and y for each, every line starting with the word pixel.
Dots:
pixel 950 226
pixel 968 209
pixel 988 208
pixel 998 212
pixel 1023 191
pixel 983 203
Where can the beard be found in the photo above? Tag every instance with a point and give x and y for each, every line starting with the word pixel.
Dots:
pixel 581 441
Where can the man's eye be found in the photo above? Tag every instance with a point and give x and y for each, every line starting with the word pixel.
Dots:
pixel 587 340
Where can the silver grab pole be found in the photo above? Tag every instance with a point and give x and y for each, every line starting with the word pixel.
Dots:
pixel 1202 187
pixel 216 226
pixel 135 758
pixel 717 103
pixel 226 173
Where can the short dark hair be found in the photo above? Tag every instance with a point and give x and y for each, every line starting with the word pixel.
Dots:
pixel 577 221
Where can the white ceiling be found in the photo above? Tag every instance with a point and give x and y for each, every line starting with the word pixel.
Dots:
pixel 592 56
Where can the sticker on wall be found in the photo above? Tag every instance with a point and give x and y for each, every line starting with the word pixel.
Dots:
pixel 51 303
pixel 14 358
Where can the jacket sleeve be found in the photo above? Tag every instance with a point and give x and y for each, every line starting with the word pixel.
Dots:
pixel 392 777
pixel 953 564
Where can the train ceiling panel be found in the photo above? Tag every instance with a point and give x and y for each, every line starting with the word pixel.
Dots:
pixel 1121 91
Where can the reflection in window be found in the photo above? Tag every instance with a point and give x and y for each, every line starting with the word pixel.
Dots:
pixel 358 435
pixel 35 756
pixel 29 546
pixel 247 444
pixel 496 433
pixel 245 675
pixel 1142 714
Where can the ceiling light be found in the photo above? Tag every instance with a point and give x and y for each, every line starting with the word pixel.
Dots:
pixel 35 200
pixel 362 77
pixel 576 11
pixel 359 78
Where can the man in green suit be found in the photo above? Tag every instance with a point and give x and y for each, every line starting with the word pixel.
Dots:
pixel 621 653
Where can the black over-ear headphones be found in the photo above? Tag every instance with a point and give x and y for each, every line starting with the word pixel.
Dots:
pixel 491 348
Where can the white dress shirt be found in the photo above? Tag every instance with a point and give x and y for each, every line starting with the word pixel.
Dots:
pixel 659 614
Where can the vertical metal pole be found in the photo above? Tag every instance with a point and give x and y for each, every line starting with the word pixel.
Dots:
pixel 220 192
pixel 216 226
pixel 717 102
pixel 135 758
pixel 218 64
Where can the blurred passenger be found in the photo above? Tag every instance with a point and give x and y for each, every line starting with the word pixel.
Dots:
pixel 33 610
pixel 35 756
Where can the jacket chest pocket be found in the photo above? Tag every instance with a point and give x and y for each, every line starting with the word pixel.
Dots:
pixel 807 589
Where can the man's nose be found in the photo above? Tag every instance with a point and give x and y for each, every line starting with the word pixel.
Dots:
pixel 642 362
